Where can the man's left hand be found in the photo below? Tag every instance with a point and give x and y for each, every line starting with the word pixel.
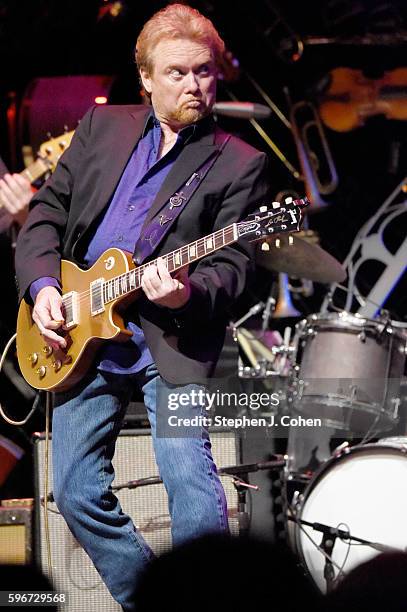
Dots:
pixel 163 289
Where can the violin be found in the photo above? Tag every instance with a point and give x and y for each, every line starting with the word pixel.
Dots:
pixel 351 98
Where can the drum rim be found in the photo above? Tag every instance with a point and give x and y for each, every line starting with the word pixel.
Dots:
pixel 345 453
pixel 345 320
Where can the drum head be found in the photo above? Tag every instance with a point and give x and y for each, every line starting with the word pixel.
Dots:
pixel 363 492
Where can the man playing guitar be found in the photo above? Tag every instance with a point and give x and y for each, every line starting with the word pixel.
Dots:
pixel 128 169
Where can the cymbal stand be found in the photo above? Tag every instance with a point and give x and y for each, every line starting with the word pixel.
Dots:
pixel 241 340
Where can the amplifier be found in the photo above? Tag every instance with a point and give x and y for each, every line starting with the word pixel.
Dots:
pixel 16 533
pixel 73 572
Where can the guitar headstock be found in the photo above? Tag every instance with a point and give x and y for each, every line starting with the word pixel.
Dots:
pixel 269 222
pixel 51 150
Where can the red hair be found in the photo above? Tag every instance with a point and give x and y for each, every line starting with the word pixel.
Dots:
pixel 176 21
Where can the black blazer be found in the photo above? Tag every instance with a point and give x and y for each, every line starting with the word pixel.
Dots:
pixel 184 345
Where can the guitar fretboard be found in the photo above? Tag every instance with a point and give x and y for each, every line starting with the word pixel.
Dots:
pixel 131 281
pixel 35 170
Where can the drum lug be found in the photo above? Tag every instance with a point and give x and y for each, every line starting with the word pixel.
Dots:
pixel 362 336
pixel 297 500
pixel 297 389
pixel 396 403
pixel 342 449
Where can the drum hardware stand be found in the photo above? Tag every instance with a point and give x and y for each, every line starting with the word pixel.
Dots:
pixel 269 307
pixel 250 313
pixel 242 342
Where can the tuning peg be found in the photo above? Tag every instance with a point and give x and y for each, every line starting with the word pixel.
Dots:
pixel 49 135
pixel 265 246
pixel 277 243
pixel 276 204
pixel 65 129
pixel 263 209
pixel 288 200
pixel 290 240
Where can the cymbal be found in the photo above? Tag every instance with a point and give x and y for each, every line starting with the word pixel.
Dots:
pixel 301 260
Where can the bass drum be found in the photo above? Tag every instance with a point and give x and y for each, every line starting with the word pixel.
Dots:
pixel 362 491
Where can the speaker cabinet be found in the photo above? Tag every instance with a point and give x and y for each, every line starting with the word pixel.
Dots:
pixel 15 535
pixel 73 572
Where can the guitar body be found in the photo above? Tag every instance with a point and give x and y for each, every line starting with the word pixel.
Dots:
pixel 57 370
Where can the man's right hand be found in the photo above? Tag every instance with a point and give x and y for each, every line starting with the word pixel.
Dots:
pixel 48 316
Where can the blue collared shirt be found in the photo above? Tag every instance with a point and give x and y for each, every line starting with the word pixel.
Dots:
pixel 120 227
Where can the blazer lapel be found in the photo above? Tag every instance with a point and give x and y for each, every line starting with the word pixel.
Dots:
pixel 129 132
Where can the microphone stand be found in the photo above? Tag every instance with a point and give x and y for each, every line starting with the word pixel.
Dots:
pixel 240 485
pixel 329 535
pixel 327 545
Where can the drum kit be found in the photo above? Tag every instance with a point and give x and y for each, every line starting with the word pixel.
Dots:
pixel 342 504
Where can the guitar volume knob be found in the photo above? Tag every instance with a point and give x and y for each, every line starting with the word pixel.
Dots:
pixel 33 358
pixel 47 350
pixel 42 370
pixel 57 365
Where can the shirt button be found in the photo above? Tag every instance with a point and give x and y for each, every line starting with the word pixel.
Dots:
pixel 131 207
pixel 120 238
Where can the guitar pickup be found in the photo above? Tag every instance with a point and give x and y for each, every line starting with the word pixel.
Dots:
pixel 97 304
pixel 71 309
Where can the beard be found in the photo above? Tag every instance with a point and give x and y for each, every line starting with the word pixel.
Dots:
pixel 185 116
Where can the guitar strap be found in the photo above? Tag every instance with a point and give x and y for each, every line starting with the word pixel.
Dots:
pixel 155 231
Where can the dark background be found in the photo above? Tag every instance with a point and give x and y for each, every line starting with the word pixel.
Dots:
pixel 41 38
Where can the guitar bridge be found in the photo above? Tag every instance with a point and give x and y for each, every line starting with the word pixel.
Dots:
pixel 70 303
pixel 97 304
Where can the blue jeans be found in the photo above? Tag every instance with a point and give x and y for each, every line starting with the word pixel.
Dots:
pixel 86 423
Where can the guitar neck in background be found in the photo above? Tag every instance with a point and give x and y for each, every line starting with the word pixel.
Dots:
pixel 46 161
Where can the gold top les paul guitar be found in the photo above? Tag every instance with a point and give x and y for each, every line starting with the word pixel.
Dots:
pixel 93 299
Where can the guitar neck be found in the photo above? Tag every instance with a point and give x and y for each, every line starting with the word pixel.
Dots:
pixel 129 282
pixel 35 170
